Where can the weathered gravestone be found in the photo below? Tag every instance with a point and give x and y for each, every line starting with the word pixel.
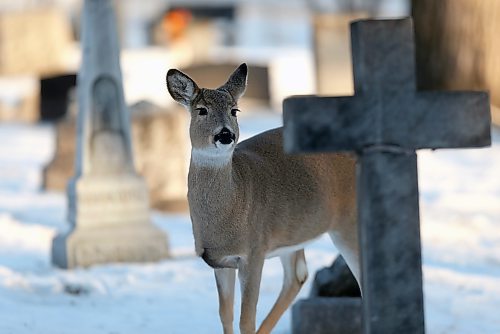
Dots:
pixel 108 201
pixel 384 123
pixel 160 150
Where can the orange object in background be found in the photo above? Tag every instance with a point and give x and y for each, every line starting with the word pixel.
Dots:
pixel 176 22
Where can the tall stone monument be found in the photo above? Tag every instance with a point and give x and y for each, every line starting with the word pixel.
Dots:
pixel 108 201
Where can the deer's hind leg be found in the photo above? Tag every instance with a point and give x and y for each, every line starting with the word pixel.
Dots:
pixel 294 276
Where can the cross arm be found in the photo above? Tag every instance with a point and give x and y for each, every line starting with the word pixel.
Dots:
pixel 443 120
pixel 427 120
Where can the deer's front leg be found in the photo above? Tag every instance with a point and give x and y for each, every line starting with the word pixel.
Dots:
pixel 249 273
pixel 225 287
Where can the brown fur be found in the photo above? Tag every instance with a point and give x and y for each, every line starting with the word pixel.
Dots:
pixel 260 200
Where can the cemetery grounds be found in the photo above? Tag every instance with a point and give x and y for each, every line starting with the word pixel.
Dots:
pixel 460 227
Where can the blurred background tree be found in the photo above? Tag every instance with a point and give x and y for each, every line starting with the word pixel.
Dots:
pixel 458 46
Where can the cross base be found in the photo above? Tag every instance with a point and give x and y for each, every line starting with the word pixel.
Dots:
pixel 327 315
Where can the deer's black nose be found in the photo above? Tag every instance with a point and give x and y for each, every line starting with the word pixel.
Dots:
pixel 225 136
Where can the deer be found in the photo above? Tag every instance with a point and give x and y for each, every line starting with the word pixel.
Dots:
pixel 250 201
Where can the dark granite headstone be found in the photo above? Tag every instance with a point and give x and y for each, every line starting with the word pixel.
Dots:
pixel 335 281
pixel 54 96
pixel 385 122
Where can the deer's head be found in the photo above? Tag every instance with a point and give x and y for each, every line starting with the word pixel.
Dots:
pixel 214 127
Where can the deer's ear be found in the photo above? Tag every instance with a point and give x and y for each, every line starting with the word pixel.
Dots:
pixel 237 82
pixel 181 87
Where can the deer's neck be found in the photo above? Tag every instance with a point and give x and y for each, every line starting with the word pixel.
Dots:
pixel 214 201
pixel 212 183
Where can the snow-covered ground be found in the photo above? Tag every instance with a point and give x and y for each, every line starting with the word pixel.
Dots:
pixel 460 214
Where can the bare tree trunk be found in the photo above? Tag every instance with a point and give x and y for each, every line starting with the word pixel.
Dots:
pixel 458 44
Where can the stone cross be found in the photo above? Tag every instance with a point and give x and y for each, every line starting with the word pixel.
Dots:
pixel 384 123
pixel 108 202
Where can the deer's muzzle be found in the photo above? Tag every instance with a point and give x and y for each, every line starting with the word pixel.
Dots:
pixel 225 136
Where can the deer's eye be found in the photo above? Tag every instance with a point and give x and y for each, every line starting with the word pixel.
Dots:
pixel 202 111
pixel 234 111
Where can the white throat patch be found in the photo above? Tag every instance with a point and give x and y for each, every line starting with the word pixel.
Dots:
pixel 214 156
